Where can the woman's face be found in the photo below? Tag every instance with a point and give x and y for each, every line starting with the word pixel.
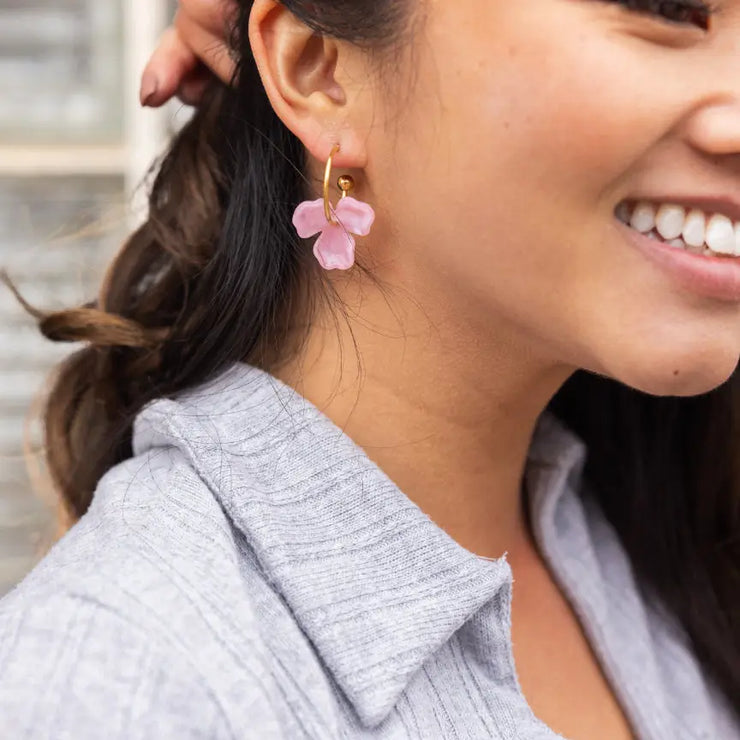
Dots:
pixel 500 168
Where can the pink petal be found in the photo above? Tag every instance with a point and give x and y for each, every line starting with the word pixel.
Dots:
pixel 335 248
pixel 309 218
pixel 356 216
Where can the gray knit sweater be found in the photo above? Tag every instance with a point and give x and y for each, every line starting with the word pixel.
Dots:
pixel 251 573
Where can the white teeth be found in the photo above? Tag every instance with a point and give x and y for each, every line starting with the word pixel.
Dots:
pixel 694 228
pixel 720 235
pixel 695 231
pixel 643 217
pixel 669 221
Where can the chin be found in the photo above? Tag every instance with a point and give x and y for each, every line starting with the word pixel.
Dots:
pixel 685 379
pixel 662 373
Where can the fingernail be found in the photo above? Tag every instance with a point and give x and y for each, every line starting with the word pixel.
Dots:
pixel 149 86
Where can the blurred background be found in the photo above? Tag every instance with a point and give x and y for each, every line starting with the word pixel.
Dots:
pixel 74 146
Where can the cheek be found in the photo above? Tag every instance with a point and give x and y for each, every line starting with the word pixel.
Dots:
pixel 514 138
pixel 564 135
pixel 501 153
pixel 538 101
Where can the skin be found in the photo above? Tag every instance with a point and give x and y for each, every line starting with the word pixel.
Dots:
pixel 190 52
pixel 494 157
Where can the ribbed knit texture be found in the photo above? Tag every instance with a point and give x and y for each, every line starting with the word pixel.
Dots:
pixel 251 573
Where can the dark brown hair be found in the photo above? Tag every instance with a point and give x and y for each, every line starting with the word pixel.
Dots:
pixel 217 275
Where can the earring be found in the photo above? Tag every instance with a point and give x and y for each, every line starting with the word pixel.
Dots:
pixel 335 247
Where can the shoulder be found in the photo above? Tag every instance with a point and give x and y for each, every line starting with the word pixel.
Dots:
pixel 72 664
pixel 152 523
pixel 119 624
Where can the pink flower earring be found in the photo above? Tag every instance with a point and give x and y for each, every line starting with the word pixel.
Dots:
pixel 335 247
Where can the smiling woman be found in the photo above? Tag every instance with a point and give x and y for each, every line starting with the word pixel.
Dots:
pixel 479 478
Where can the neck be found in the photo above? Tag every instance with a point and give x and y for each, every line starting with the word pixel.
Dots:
pixel 446 407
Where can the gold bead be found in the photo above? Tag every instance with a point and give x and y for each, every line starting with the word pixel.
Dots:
pixel 345 183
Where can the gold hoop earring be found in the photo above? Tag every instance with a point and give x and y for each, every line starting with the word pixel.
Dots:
pixel 335 247
pixel 345 183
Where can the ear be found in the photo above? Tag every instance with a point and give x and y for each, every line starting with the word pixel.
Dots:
pixel 299 70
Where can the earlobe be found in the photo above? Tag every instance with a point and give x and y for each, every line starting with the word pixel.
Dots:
pixel 297 67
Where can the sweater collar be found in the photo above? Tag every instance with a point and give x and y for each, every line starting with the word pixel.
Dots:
pixel 373 582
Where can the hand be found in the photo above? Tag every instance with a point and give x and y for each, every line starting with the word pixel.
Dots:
pixel 190 52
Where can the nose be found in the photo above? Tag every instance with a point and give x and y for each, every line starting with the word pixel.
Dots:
pixel 715 127
pixel 714 124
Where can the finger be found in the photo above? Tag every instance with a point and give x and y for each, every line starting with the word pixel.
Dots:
pixel 171 61
pixel 211 48
pixel 213 16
